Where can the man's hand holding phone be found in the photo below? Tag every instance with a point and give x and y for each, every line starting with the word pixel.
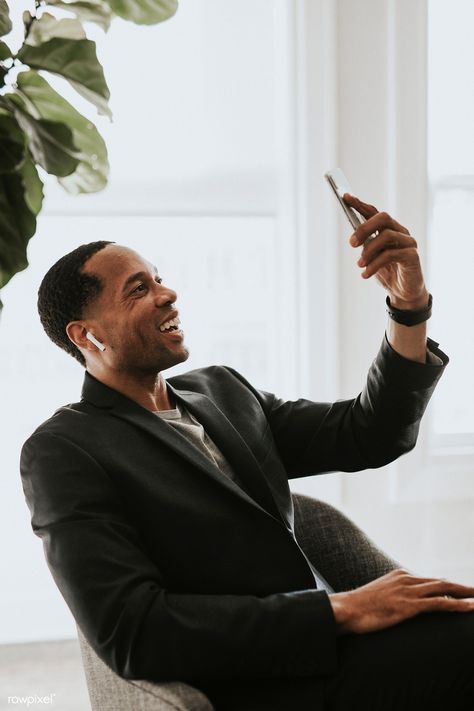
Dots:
pixel 392 256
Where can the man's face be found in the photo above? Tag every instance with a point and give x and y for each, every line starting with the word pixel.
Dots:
pixel 129 311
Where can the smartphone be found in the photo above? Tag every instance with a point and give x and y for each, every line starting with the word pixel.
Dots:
pixel 340 185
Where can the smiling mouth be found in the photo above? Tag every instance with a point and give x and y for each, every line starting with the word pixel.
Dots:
pixel 173 332
pixel 171 325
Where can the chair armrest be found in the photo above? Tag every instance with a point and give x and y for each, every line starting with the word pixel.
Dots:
pixel 336 546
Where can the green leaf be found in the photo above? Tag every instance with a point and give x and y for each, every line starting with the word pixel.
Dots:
pixel 21 196
pixel 50 142
pixel 95 97
pixel 5 22
pixel 73 59
pixel 32 184
pixel 87 11
pixel 93 169
pixel 144 12
pixel 5 51
pixel 12 143
pixel 47 27
pixel 17 226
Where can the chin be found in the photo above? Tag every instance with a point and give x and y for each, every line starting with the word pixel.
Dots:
pixel 184 355
pixel 174 359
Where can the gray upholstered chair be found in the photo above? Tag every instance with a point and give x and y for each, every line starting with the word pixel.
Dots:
pixel 345 556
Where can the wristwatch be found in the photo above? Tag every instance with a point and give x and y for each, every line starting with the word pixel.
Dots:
pixel 409 317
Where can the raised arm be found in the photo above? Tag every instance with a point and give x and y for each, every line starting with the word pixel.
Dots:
pixel 364 432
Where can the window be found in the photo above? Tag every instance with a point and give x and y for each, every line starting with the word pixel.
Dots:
pixel 451 186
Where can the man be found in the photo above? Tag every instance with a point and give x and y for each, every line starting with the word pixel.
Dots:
pixel 166 516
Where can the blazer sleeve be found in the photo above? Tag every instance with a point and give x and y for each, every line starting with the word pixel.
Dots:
pixel 118 597
pixel 365 432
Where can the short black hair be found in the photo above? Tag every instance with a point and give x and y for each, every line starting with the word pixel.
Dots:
pixel 64 293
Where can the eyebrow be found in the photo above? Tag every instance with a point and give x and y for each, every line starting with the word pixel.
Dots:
pixel 135 277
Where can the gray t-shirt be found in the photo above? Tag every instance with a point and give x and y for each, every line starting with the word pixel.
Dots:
pixel 184 421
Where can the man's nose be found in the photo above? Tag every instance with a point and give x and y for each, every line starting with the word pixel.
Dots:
pixel 164 295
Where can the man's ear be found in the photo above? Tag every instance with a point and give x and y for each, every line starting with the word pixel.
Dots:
pixel 77 333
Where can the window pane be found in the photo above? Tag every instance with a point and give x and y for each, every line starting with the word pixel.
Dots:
pixel 450 88
pixel 451 261
pixel 451 174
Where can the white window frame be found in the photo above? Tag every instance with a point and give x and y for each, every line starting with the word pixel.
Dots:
pixel 311 27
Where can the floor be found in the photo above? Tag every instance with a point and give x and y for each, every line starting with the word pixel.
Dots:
pixel 43 669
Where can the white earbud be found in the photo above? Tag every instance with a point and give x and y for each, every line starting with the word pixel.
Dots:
pixel 94 340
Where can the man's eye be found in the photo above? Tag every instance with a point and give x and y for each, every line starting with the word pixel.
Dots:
pixel 138 288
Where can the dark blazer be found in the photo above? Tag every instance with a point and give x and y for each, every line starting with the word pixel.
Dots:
pixel 174 572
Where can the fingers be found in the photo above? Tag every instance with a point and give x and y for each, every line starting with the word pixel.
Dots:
pixel 408 256
pixel 445 604
pixel 375 223
pixel 364 208
pixel 386 238
pixel 435 595
pixel 444 587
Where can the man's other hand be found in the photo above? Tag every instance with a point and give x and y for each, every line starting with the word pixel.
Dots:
pixel 395 597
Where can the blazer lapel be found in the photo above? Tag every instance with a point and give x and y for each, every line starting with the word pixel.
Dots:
pixel 231 444
pixel 257 491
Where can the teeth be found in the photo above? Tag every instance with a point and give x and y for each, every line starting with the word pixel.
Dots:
pixel 173 322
